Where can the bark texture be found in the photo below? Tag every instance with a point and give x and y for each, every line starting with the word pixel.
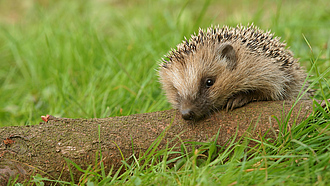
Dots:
pixel 42 149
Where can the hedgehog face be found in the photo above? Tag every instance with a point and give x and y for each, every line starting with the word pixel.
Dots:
pixel 192 86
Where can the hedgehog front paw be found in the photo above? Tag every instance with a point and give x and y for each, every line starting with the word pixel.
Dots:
pixel 237 101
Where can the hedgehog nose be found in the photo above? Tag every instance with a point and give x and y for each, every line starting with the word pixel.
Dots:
pixel 187 114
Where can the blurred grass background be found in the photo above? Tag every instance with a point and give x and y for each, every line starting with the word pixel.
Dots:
pixel 86 59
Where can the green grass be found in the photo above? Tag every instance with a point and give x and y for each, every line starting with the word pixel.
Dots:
pixel 85 59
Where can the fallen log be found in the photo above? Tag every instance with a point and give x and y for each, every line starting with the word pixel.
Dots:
pixel 42 149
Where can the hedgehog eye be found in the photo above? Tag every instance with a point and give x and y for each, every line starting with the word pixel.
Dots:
pixel 209 83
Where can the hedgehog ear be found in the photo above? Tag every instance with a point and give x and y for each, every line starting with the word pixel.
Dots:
pixel 227 51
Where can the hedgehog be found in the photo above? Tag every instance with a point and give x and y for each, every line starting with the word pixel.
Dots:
pixel 228 67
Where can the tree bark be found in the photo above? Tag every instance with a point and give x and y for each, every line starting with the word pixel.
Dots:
pixel 42 149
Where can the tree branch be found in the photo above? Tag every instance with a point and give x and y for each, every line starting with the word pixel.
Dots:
pixel 42 149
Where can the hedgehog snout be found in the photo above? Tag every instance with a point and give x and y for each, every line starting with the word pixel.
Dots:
pixel 187 114
pixel 187 110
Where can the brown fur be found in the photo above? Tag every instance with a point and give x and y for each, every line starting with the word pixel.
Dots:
pixel 243 63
